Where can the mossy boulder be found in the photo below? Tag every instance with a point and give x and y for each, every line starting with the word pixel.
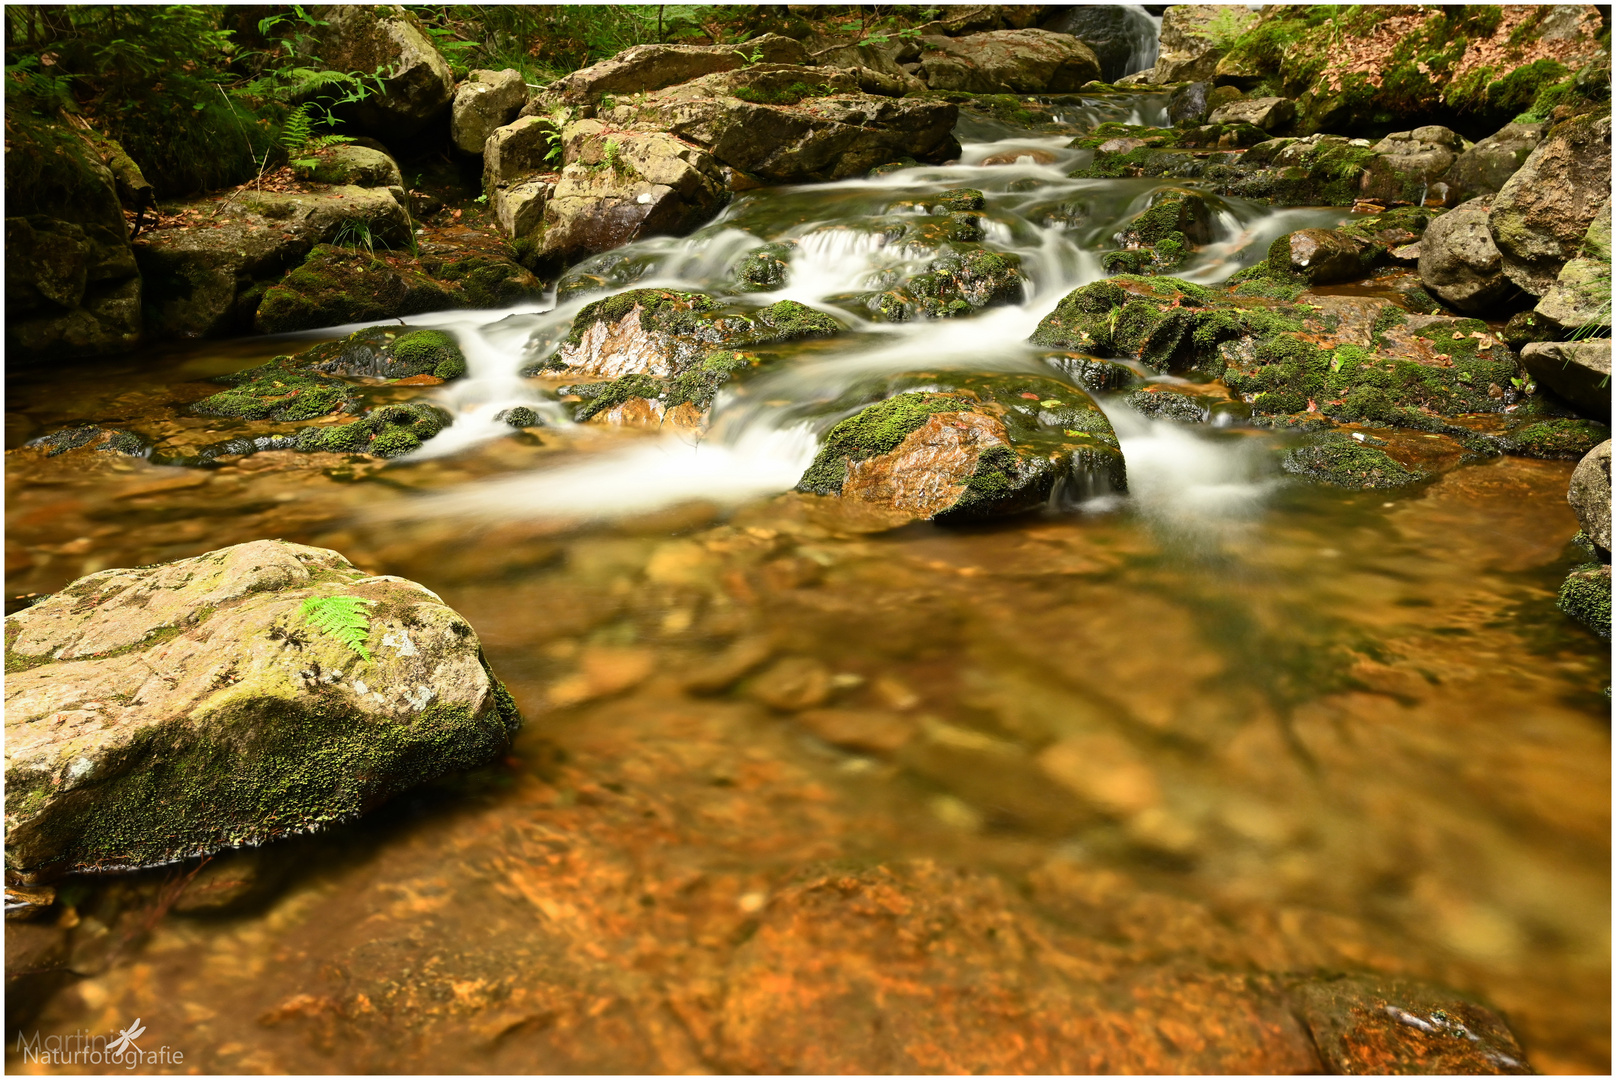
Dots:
pixel 1163 322
pixel 965 447
pixel 387 432
pixel 765 269
pixel 1340 460
pixel 1163 236
pixel 1585 596
pixel 1557 437
pixel 278 711
pixel 90 438
pixel 278 391
pixel 663 332
pixel 642 399
pixel 387 352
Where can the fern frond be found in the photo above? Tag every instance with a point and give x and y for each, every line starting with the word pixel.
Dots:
pixel 342 618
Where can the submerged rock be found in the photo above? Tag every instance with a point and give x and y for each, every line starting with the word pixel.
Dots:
pixel 246 694
pixel 986 446
pixel 1338 459
pixel 1585 596
pixel 644 400
pixel 386 352
pixel 90 437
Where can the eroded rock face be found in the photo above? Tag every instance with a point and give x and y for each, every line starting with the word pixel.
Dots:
pixel 485 101
pixel 1541 215
pixel 1460 263
pixel 1322 256
pixel 1111 31
pixel 1189 49
pixel 1366 1026
pixel 170 711
pixel 1589 494
pixel 418 89
pixel 989 447
pixel 1008 62
pixel 1272 114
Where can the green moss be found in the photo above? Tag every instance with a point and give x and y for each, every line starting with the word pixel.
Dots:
pixel 789 321
pixel 390 431
pixel 1390 318
pixel 429 352
pixel 766 268
pixel 1339 460
pixel 875 430
pixel 956 199
pixel 1557 437
pixel 661 310
pixel 604 396
pixel 278 393
pixel 786 95
pixel 1585 596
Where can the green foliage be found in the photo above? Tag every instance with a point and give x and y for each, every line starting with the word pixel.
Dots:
pixel 342 618
pixel 299 140
pixel 789 95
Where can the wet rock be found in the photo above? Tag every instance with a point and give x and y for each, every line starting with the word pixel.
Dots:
pixel 486 101
pixel 646 68
pixel 242 695
pixel 1191 103
pixel 278 391
pixel 417 86
pixel 36 966
pixel 1319 256
pixel 987 447
pixel 792 683
pixel 72 284
pixel 1162 404
pixel 766 268
pixel 997 777
pixel 92 438
pixel 1459 262
pixel 1161 238
pixel 862 731
pixel 1338 459
pixel 1193 39
pixel 1580 296
pixel 1487 166
pixel 1589 495
pixel 1154 320
pixel 1271 114
pixel 1007 62
pixel 1557 438
pixel 519 416
pixel 1408 163
pixel 1579 371
pixel 1541 215
pixel 1363 1025
pixel 956 283
pixel 1585 596
pixel 752 120
pixel 233 880
pixel 644 400
pixel 356 166
pixel 383 352
pixel 619 187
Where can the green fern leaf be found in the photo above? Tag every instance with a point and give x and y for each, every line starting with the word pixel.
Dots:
pixel 342 618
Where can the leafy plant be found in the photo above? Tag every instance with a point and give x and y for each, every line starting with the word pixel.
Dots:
pixel 750 57
pixel 342 618
pixel 298 138
pixel 612 157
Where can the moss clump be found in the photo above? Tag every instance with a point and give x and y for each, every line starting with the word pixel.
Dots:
pixel 390 431
pixel 604 396
pixel 430 352
pixel 957 199
pixel 1339 460
pixel 278 393
pixel 699 386
pixel 661 310
pixel 1153 320
pixel 870 432
pixel 1557 437
pixel 104 440
pixel 790 321
pixel 765 268
pixel 519 417
pixel 1585 596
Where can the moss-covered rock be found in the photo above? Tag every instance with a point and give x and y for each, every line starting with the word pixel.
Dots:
pixel 697 387
pixel 764 269
pixel 279 391
pixel 1585 596
pixel 387 432
pixel 277 712
pixel 1338 459
pixel 1558 437
pixel 962 447
pixel 91 438
pixel 387 352
pixel 1164 322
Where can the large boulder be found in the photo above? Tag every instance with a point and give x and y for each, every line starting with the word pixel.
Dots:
pixel 1007 62
pixel 1271 114
pixel 1459 262
pixel 765 121
pixel 485 101
pixel 986 446
pixel 1408 164
pixel 208 278
pixel 1321 256
pixel 1121 37
pixel 620 186
pixel 72 284
pixel 356 166
pixel 250 693
pixel 1580 296
pixel 1194 38
pixel 521 149
pixel 1541 215
pixel 644 68
pixel 417 85
pixel 1589 495
pixel 1578 371
pixel 1487 166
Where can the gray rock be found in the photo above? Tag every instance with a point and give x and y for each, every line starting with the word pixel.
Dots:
pixel 1194 38
pixel 519 208
pixel 1578 371
pixel 360 166
pixel 1272 114
pixel 1458 261
pixel 1322 256
pixel 174 710
pixel 1487 166
pixel 1007 62
pixel 519 150
pixel 485 101
pixel 1580 296
pixel 1589 495
pixel 1541 215
pixel 644 68
pixel 416 93
pixel 1410 164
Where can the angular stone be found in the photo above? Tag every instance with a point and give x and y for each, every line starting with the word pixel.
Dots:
pixel 1409 164
pixel 520 149
pixel 1580 296
pixel 1541 215
pixel 485 101
pixel 1322 256
pixel 1459 262
pixel 417 86
pixel 1193 40
pixel 1008 62
pixel 165 712
pixel 1578 371
pixel 1589 494
pixel 519 208
pixel 1272 114
pixel 1487 166
pixel 644 68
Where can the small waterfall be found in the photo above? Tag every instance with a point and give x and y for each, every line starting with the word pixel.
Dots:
pixel 1144 36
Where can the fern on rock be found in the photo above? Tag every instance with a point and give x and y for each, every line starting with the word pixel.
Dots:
pixel 343 618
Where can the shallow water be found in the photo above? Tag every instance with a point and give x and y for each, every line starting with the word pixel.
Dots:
pixel 1353 722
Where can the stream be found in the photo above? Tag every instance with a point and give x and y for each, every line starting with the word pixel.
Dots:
pixel 1352 726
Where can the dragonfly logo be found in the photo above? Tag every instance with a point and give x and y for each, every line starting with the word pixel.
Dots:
pixel 126 1039
pixel 80 1048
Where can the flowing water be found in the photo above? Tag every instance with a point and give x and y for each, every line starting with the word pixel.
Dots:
pixel 1357 714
